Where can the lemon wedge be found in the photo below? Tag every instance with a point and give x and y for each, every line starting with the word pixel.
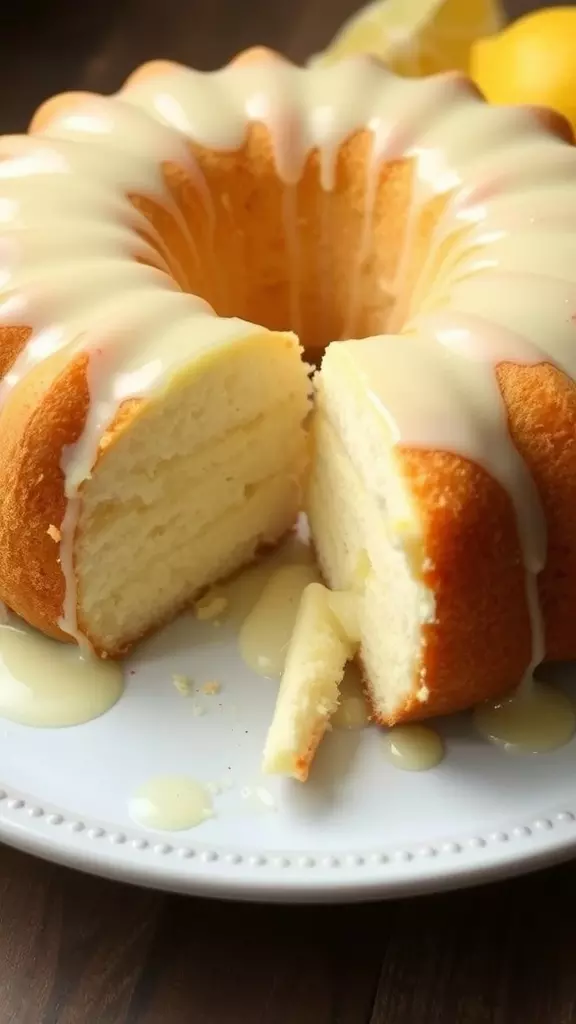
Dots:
pixel 533 61
pixel 417 37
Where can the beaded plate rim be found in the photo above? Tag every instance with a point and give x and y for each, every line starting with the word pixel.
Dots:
pixel 144 858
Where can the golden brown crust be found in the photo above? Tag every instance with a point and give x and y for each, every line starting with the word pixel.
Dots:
pixel 304 761
pixel 541 403
pixel 480 643
pixel 36 423
pixel 12 341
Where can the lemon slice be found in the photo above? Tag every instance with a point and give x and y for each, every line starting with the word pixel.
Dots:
pixel 417 37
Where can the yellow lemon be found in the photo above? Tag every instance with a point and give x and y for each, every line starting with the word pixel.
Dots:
pixel 417 37
pixel 532 61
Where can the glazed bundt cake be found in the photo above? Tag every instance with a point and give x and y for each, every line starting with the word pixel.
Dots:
pixel 152 443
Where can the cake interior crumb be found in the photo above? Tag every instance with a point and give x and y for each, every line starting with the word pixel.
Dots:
pixel 182 683
pixel 210 606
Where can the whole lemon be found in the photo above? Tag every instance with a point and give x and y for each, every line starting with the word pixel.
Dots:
pixel 532 61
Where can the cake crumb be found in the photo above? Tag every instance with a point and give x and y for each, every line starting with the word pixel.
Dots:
pixel 197 710
pixel 54 533
pixel 211 687
pixel 182 684
pixel 210 607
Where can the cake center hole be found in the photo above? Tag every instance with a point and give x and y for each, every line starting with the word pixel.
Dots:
pixel 327 264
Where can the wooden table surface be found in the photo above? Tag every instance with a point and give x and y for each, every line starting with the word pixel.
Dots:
pixel 79 950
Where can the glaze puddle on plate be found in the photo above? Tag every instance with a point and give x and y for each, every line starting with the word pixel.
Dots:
pixel 265 633
pixel 45 683
pixel 414 748
pixel 171 803
pixel 537 719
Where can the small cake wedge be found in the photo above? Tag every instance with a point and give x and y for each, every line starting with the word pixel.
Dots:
pixel 309 691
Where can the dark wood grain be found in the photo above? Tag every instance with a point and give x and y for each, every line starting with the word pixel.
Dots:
pixel 80 950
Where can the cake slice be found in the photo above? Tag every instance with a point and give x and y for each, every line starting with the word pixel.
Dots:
pixel 322 642
pixel 425 538
pixel 190 480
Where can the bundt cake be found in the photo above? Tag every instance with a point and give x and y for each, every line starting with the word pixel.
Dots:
pixel 151 442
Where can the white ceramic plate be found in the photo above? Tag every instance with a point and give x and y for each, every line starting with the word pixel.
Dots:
pixel 359 829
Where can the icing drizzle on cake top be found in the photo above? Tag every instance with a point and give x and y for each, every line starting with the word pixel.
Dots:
pixel 70 235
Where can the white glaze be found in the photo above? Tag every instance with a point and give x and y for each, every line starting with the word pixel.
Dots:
pixel 44 683
pixel 68 233
pixel 172 803
pixel 414 748
pixel 533 721
pixel 266 631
